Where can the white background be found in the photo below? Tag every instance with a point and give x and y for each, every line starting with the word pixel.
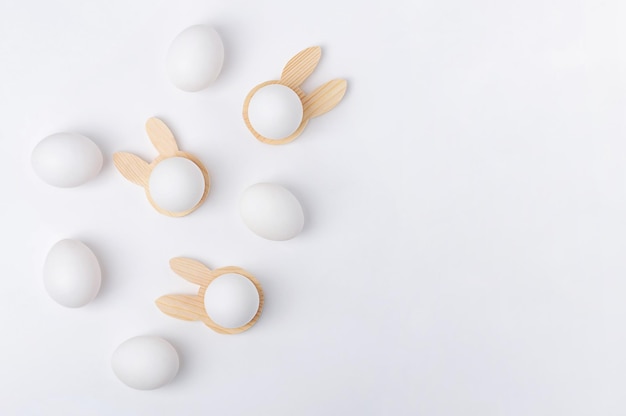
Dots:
pixel 465 204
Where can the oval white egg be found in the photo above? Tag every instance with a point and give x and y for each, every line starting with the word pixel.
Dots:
pixel 271 211
pixel 195 58
pixel 145 362
pixel 231 300
pixel 275 111
pixel 66 160
pixel 176 184
pixel 71 273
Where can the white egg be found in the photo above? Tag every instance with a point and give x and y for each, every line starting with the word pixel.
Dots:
pixel 195 58
pixel 231 300
pixel 271 211
pixel 176 184
pixel 71 273
pixel 145 362
pixel 66 160
pixel 275 111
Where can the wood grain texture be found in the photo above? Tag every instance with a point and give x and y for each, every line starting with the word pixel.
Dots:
pixel 191 307
pixel 320 101
pixel 185 307
pixel 138 171
pixel 324 98
pixel 161 137
pixel 132 167
pixel 300 67
pixel 191 270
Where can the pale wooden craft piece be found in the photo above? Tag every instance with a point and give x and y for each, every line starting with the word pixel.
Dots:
pixel 320 101
pixel 191 307
pixel 138 171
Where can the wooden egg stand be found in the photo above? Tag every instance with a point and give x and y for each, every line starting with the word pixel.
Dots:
pixel 138 171
pixel 320 101
pixel 191 307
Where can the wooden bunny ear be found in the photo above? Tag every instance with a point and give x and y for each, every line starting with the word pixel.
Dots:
pixel 324 98
pixel 185 307
pixel 301 66
pixel 161 137
pixel 191 270
pixel 132 167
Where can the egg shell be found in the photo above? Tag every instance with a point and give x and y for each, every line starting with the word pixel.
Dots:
pixel 271 211
pixel 231 300
pixel 145 362
pixel 71 273
pixel 195 58
pixel 176 184
pixel 66 160
pixel 275 111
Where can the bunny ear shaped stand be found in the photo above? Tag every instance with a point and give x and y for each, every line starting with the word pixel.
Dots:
pixel 168 167
pixel 194 307
pixel 320 101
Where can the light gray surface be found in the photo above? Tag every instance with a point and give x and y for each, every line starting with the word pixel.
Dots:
pixel 463 251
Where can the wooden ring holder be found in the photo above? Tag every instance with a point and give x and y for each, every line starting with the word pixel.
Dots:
pixel 191 307
pixel 320 101
pixel 138 171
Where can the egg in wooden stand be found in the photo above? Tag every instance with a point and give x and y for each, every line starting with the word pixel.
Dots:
pixel 229 300
pixel 176 183
pixel 276 112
